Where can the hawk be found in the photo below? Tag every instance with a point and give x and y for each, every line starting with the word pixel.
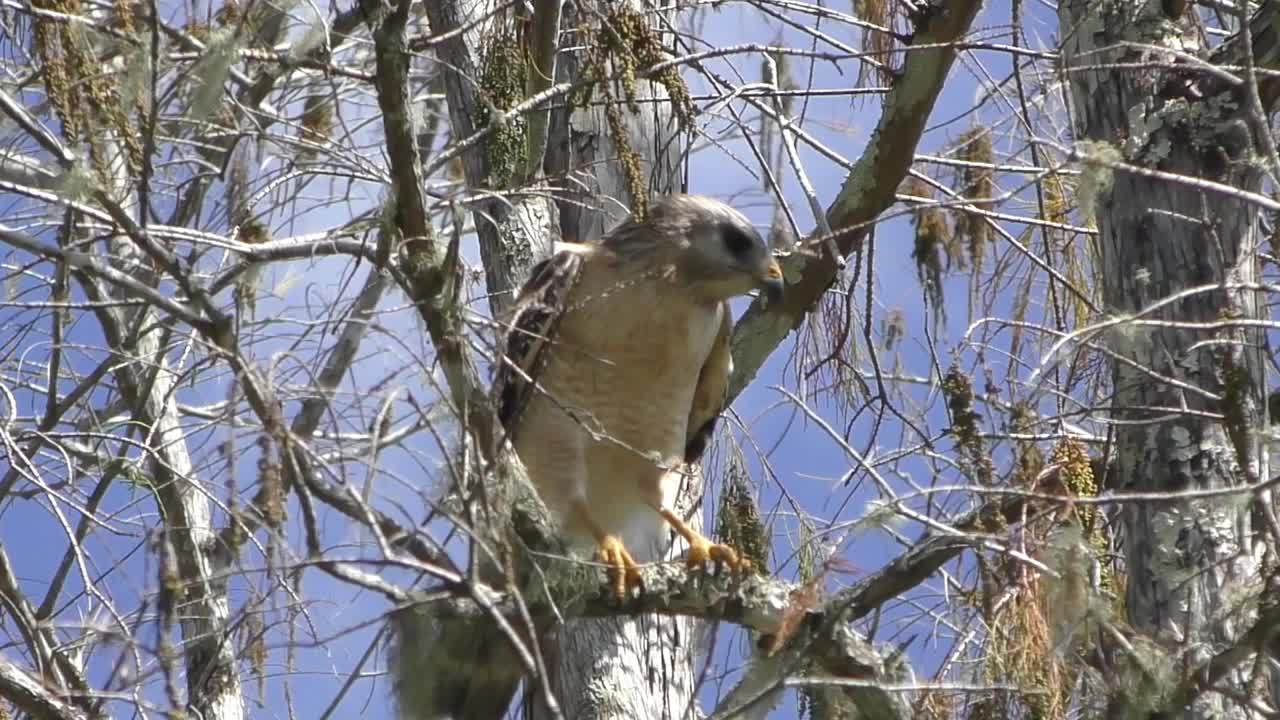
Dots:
pixel 616 366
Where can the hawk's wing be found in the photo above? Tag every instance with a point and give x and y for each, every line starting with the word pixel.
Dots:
pixel 711 392
pixel 535 317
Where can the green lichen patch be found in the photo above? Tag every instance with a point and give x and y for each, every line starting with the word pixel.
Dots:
pixel 1096 176
pixel 502 83
pixel 739 524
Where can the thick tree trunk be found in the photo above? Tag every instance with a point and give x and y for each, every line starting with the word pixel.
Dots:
pixel 515 230
pixel 1159 238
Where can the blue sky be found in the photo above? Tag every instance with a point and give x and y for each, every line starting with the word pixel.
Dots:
pixel 810 467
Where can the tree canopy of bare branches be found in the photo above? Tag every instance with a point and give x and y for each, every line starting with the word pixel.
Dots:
pixel 1002 449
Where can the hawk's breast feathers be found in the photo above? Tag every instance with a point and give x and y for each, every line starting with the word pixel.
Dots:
pixel 647 309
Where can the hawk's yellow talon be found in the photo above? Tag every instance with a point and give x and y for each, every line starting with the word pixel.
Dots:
pixel 702 551
pixel 624 573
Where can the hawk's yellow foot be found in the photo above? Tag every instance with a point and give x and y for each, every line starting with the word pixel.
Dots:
pixel 702 550
pixel 624 574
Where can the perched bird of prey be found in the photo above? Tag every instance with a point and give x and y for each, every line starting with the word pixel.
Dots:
pixel 616 366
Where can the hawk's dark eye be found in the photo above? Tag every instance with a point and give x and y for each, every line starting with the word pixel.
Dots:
pixel 737 241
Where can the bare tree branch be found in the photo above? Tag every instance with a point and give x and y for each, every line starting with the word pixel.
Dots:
pixel 868 190
pixel 29 696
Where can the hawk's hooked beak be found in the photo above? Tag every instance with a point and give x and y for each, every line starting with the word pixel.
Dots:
pixel 770 278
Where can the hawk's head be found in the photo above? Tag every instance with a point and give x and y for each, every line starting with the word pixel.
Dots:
pixel 714 247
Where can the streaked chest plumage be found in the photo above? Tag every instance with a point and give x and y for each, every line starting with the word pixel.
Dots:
pixel 631 363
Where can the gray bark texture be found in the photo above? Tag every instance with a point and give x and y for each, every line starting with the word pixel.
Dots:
pixel 1179 259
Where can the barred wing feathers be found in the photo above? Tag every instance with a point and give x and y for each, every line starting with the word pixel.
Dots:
pixel 535 318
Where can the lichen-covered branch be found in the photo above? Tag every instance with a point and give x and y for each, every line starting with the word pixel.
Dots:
pixel 786 615
pixel 432 275
pixel 433 678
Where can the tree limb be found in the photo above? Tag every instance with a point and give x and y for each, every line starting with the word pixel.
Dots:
pixel 766 605
pixel 1264 42
pixel 433 676
pixel 432 274
pixel 30 696
pixel 868 190
pixel 543 40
